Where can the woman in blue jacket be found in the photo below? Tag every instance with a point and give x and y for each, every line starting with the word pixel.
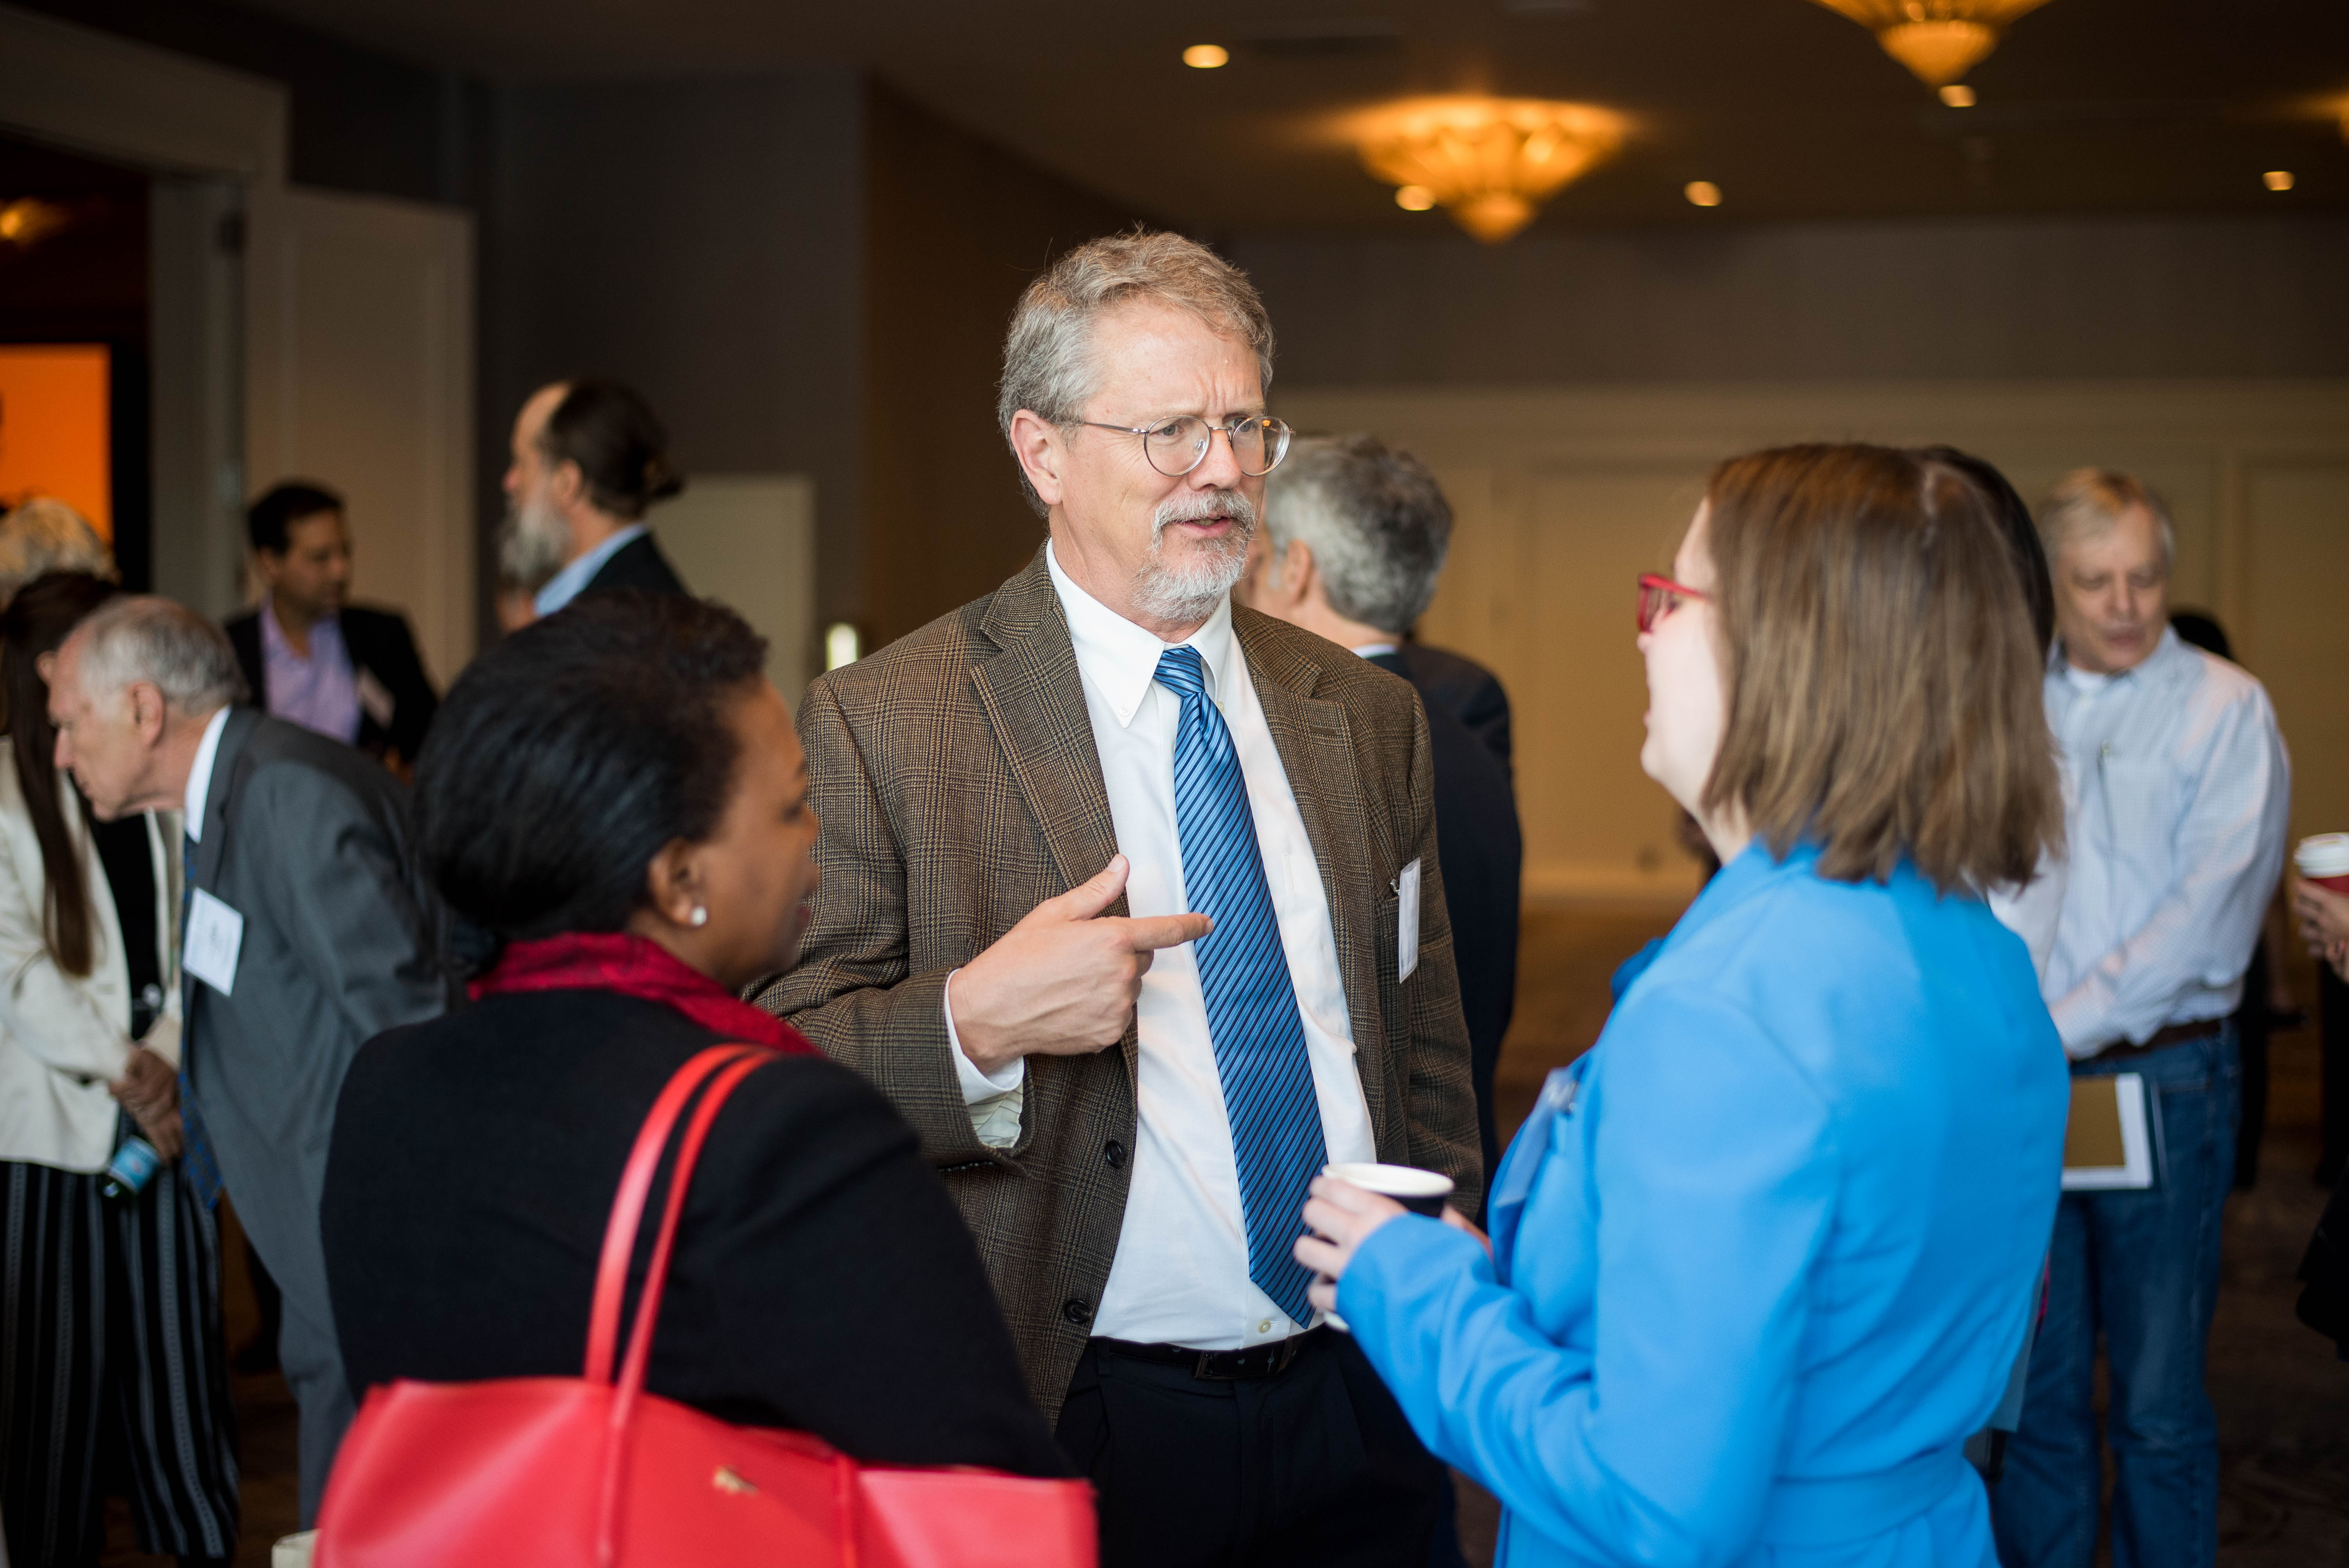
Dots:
pixel 1764 1257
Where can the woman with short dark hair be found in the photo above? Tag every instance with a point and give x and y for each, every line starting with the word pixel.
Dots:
pixel 1762 1259
pixel 615 804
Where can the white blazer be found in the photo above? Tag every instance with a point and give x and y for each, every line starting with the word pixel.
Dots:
pixel 62 1038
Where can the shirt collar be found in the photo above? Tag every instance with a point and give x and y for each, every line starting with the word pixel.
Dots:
pixel 1373 650
pixel 2155 665
pixel 326 636
pixel 1121 657
pixel 200 776
pixel 565 586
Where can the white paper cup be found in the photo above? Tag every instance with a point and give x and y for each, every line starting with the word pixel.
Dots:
pixel 2324 858
pixel 1420 1192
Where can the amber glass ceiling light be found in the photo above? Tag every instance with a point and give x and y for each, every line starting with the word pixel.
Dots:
pixel 1489 162
pixel 1939 40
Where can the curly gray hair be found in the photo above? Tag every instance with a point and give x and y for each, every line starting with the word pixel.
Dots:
pixel 1048 365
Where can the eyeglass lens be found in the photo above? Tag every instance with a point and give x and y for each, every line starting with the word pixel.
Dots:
pixel 1180 444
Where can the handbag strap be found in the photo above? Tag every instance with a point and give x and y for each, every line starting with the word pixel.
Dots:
pixel 628 1205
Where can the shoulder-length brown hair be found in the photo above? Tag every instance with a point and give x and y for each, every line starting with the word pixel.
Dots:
pixel 1882 675
pixel 36 621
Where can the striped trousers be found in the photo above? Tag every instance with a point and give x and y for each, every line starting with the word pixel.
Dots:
pixel 111 1367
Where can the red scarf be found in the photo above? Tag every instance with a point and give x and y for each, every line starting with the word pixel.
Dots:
pixel 636 966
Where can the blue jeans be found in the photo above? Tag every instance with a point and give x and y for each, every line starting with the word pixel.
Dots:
pixel 2142 1269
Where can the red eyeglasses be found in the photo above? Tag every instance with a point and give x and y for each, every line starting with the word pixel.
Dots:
pixel 1658 597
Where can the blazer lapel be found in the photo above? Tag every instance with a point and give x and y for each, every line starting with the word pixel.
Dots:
pixel 1317 751
pixel 235 736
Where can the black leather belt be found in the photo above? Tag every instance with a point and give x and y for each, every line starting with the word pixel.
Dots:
pixel 1267 1360
pixel 2166 1036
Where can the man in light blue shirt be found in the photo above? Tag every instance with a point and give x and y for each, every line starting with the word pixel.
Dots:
pixel 590 458
pixel 2177 789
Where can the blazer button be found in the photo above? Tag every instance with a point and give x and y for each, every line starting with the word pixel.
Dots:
pixel 1077 1310
pixel 1114 1152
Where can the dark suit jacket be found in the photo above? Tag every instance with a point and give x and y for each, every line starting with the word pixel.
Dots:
pixel 1461 687
pixel 1484 852
pixel 958 787
pixel 380 642
pixel 306 839
pixel 820 1282
pixel 639 564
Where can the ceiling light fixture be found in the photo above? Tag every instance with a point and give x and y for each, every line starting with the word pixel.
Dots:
pixel 1206 56
pixel 2278 178
pixel 1490 162
pixel 26 220
pixel 1702 194
pixel 1957 95
pixel 1414 197
pixel 1938 40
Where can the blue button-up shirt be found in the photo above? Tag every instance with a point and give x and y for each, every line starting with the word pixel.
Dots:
pixel 2178 788
pixel 320 692
pixel 565 586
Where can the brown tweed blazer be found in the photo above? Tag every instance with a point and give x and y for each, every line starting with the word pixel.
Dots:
pixel 957 785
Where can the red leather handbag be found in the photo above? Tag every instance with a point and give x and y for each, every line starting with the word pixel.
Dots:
pixel 594 1472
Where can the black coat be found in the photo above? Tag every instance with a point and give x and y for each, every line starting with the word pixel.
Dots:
pixel 822 1281
pixel 639 564
pixel 1484 854
pixel 380 643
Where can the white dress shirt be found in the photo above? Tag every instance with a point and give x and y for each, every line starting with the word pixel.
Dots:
pixel 200 775
pixel 1181 1273
pixel 2176 788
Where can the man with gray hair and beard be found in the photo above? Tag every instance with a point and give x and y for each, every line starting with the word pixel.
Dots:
pixel 306 932
pixel 1131 903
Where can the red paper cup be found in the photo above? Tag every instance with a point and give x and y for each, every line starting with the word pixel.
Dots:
pixel 2323 861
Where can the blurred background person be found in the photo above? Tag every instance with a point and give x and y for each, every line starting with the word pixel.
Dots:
pixel 1762 1259
pixel 2267 1002
pixel 112 1367
pixel 308 653
pixel 2177 791
pixel 1354 539
pixel 822 1279
pixel 308 932
pixel 45 534
pixel 590 458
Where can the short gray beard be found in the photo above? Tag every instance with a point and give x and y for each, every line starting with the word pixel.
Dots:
pixel 533 541
pixel 1189 594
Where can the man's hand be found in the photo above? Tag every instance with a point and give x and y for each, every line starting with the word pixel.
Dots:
pixel 1062 981
pixel 150 1090
pixel 2323 915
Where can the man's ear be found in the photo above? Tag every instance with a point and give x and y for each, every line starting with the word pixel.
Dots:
pixel 1299 577
pixel 268 565
pixel 1044 455
pixel 148 710
pixel 567 486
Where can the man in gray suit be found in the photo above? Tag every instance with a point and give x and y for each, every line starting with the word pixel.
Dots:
pixel 306 932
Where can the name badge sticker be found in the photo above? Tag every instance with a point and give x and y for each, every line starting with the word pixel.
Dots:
pixel 215 934
pixel 1407 922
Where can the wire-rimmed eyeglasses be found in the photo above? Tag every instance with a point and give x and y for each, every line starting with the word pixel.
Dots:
pixel 1659 596
pixel 1174 446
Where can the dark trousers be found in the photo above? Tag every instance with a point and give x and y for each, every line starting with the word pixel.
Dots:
pixel 2333 1025
pixel 1313 1465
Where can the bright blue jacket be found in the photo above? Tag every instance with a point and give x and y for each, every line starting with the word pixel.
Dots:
pixel 1763 1258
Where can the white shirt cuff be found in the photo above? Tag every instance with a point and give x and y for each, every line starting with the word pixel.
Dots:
pixel 977 1086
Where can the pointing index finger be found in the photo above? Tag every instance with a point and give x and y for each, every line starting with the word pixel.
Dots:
pixel 1147 933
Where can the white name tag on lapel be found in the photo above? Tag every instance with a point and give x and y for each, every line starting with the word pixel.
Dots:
pixel 215 932
pixel 1407 922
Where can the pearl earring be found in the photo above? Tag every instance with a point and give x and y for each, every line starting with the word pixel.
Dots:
pixel 700 915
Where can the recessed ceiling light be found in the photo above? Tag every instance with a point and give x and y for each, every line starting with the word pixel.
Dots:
pixel 1957 95
pixel 1702 194
pixel 1206 56
pixel 2278 178
pixel 1414 197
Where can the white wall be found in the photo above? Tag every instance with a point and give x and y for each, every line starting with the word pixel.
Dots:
pixel 1564 494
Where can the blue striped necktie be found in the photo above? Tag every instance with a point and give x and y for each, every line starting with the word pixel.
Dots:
pixel 1251 1005
pixel 197 1166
